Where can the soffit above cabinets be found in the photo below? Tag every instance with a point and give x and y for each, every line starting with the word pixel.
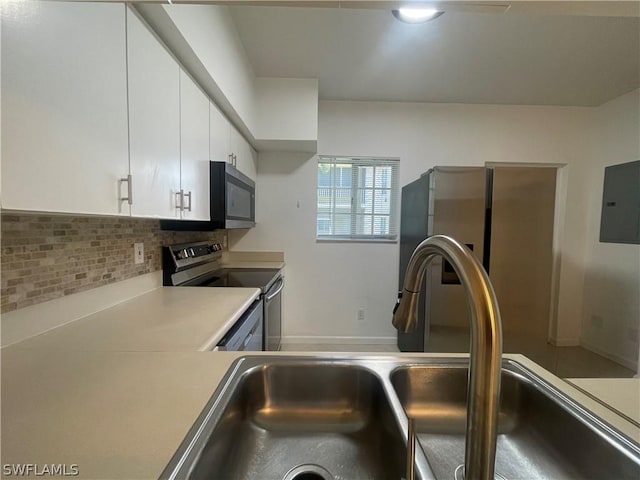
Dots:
pixel 462 57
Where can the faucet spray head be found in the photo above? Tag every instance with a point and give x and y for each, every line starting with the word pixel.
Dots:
pixel 405 313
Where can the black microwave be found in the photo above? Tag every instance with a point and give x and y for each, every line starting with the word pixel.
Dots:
pixel 232 199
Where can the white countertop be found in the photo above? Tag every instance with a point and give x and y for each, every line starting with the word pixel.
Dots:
pixel 254 264
pixel 622 394
pixel 259 259
pixel 121 415
pixel 116 392
pixel 117 415
pixel 166 319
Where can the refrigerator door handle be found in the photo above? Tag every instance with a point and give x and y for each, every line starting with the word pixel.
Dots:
pixel 397 302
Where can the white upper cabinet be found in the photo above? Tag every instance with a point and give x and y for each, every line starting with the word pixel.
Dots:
pixel 194 150
pixel 154 123
pixel 219 135
pixel 64 110
pixel 278 113
pixel 227 145
pixel 244 157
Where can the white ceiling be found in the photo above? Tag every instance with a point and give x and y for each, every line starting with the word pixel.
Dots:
pixel 365 54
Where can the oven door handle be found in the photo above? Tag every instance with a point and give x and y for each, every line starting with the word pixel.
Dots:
pixel 271 296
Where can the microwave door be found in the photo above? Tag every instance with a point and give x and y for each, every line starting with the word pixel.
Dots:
pixel 240 200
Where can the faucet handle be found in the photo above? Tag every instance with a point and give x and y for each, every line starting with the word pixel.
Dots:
pixel 395 307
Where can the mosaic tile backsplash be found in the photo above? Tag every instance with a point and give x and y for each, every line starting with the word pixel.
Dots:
pixel 50 256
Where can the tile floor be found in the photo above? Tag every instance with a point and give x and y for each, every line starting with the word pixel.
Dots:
pixel 565 362
pixel 339 347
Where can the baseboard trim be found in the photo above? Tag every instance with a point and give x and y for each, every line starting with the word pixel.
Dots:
pixel 625 362
pixel 36 319
pixel 340 340
pixel 565 342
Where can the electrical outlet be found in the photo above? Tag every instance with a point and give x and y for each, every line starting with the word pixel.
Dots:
pixel 138 253
pixel 361 314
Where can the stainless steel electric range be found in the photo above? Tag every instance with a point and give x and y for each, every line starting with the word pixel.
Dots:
pixel 195 265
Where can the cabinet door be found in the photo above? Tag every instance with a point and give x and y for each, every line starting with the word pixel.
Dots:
pixel 219 131
pixel 194 149
pixel 64 110
pixel 154 122
pixel 245 159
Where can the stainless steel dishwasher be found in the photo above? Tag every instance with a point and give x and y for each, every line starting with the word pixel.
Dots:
pixel 273 315
pixel 246 334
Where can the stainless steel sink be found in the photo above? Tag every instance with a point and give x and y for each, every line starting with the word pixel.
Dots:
pixel 300 420
pixel 540 434
pixel 344 418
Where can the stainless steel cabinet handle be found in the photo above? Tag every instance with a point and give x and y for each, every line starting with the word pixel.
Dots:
pixel 129 197
pixel 180 200
pixel 231 158
pixel 278 290
pixel 188 195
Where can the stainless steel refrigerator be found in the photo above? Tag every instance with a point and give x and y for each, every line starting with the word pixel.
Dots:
pixel 505 216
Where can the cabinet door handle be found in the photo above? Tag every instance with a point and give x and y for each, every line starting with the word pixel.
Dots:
pixel 180 200
pixel 188 195
pixel 235 160
pixel 231 158
pixel 129 197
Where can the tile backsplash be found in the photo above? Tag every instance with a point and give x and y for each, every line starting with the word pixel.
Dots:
pixel 50 256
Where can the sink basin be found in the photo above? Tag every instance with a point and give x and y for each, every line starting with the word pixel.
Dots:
pixel 345 418
pixel 540 435
pixel 302 421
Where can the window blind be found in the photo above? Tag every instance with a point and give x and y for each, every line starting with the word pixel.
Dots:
pixel 357 198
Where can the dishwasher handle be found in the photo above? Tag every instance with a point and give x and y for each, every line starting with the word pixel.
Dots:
pixel 270 296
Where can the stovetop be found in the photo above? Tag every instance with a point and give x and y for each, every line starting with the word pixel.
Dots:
pixel 261 278
pixel 195 265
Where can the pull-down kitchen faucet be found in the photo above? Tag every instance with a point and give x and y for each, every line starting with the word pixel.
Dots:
pixel 483 392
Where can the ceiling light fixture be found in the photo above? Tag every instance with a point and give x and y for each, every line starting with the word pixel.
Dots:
pixel 416 15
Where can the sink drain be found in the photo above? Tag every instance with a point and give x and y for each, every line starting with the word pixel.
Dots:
pixel 459 474
pixel 308 472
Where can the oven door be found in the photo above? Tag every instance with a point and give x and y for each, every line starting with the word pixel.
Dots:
pixel 273 316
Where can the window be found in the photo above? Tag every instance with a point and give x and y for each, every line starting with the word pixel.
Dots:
pixel 357 198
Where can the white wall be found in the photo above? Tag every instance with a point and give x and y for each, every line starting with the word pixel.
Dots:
pixel 286 110
pixel 611 321
pixel 328 282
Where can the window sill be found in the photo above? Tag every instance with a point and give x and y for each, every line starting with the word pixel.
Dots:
pixel 355 240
